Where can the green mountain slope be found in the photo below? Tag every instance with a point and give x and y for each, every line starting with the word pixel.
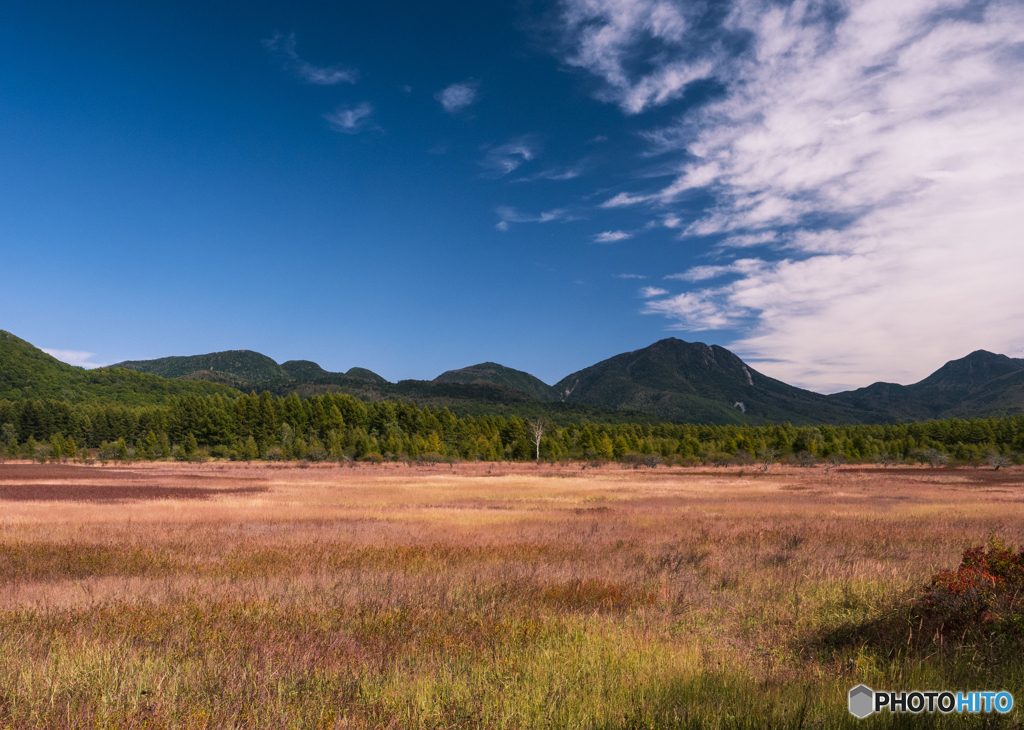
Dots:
pixel 364 374
pixel 303 370
pixel 981 384
pixel 242 366
pixel 471 395
pixel 494 374
pixel 690 381
pixel 670 380
pixel 28 372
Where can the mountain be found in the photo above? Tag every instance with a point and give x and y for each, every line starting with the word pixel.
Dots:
pixel 303 370
pixel 691 381
pixel 28 372
pixel 475 391
pixel 669 380
pixel 364 374
pixel 981 384
pixel 494 374
pixel 238 366
pixel 248 370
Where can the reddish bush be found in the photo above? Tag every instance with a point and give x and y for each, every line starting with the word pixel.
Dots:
pixel 984 593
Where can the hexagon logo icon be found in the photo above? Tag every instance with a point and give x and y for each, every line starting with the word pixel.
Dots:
pixel 862 701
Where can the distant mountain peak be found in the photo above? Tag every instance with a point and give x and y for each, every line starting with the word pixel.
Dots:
pixel 970 372
pixel 492 373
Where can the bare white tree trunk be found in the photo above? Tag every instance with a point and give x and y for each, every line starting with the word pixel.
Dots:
pixel 538 432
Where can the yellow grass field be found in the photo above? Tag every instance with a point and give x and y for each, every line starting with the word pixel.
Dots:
pixel 478 595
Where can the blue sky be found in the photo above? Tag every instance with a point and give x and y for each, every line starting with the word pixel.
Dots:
pixel 832 190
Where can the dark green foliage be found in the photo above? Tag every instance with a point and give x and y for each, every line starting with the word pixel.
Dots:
pixel 494 374
pixel 981 384
pixel 337 426
pixel 243 365
pixel 690 381
pixel 28 372
pixel 364 374
pixel 670 380
pixel 303 370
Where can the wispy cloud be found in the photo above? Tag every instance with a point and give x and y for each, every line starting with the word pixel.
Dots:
pixel 556 173
pixel 502 159
pixel 623 199
pixel 610 38
pixel 748 240
pixel 508 214
pixel 512 215
pixel 880 150
pixel 74 357
pixel 350 119
pixel 648 292
pixel 701 310
pixel 457 97
pixel 612 236
pixel 703 273
pixel 283 47
pixel 630 276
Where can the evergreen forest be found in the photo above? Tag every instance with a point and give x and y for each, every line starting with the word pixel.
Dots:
pixel 338 427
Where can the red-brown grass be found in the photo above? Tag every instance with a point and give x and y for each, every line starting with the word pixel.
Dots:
pixel 473 595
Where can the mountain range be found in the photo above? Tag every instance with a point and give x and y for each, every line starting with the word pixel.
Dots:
pixel 670 380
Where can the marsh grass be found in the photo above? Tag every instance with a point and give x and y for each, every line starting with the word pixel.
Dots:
pixel 380 598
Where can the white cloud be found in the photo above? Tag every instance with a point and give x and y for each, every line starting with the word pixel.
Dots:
pixel 623 199
pixel 611 37
pixel 350 119
pixel 503 159
pixel 74 357
pixel 457 97
pixel 508 214
pixel 284 48
pixel 555 173
pixel 703 273
pixel 648 292
pixel 630 276
pixel 745 241
pixel 881 151
pixel 701 310
pixel 612 236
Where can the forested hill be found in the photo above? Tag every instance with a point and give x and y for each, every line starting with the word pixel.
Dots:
pixel 239 367
pixel 495 374
pixel 28 372
pixel 980 385
pixel 691 381
pixel 670 380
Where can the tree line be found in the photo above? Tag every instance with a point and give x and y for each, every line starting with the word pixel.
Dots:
pixel 342 428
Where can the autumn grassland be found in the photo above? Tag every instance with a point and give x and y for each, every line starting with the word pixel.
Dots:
pixel 482 595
